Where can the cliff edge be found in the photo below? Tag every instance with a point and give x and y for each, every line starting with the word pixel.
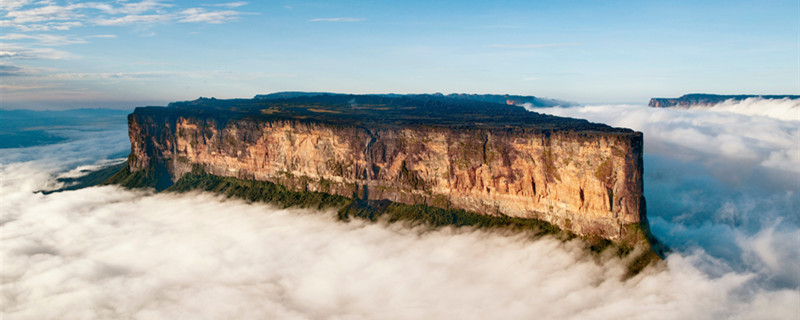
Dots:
pixel 487 158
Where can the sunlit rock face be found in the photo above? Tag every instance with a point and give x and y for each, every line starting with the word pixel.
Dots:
pixel 582 177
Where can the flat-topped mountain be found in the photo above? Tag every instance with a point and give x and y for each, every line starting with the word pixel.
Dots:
pixel 486 158
pixel 508 99
pixel 382 111
pixel 703 99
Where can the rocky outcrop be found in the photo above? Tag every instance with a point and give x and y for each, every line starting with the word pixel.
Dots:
pixel 702 99
pixel 582 177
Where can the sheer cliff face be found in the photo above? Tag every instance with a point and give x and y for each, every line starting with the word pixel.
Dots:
pixel 587 182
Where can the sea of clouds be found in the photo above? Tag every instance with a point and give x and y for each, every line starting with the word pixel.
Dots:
pixel 784 109
pixel 722 192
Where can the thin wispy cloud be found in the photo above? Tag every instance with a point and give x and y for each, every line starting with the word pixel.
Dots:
pixel 43 13
pixel 107 36
pixel 202 15
pixel 228 4
pixel 533 45
pixel 49 26
pixel 134 19
pixel 27 16
pixel 10 70
pixel 212 74
pixel 44 39
pixel 14 51
pixel 13 4
pixel 16 87
pixel 341 19
pixel 52 39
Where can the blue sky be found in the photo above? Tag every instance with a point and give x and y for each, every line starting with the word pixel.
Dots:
pixel 67 54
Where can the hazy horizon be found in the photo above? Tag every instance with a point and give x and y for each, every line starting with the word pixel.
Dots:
pixel 118 54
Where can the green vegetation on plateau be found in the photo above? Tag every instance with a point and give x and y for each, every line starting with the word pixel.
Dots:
pixel 377 111
pixel 256 191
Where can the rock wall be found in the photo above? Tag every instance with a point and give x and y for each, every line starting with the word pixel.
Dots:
pixel 584 181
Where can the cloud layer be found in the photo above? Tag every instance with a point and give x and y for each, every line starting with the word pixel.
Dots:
pixel 105 252
pixel 109 253
pixel 783 109
pixel 720 182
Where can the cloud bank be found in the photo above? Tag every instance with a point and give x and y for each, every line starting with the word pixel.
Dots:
pixel 105 252
pixel 783 109
pixel 719 181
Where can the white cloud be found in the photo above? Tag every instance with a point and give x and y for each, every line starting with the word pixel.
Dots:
pixel 784 109
pixel 340 19
pixel 44 13
pixel 139 7
pixel 201 15
pixel 115 75
pixel 134 19
pixel 228 4
pixel 27 16
pixel 44 39
pixel 13 4
pixel 14 51
pixel 104 36
pixel 124 254
pixel 49 26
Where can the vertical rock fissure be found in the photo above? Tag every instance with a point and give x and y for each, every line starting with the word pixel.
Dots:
pixel 485 137
pixel 414 165
pixel 369 175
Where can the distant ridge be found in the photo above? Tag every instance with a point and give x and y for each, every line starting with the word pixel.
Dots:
pixel 518 100
pixel 705 99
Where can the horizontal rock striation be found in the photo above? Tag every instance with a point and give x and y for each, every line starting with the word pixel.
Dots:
pixel 582 177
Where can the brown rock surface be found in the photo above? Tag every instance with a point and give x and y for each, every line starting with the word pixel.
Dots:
pixel 586 180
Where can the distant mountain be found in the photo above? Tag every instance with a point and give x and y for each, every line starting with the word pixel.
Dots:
pixel 290 94
pixel 531 101
pixel 528 101
pixel 704 99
